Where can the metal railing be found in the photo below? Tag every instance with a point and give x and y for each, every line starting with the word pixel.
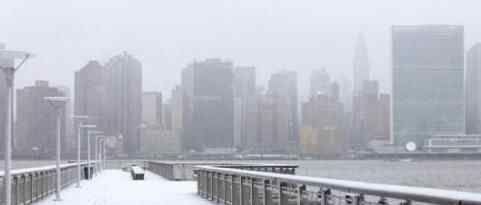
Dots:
pixel 32 184
pixel 242 187
pixel 184 170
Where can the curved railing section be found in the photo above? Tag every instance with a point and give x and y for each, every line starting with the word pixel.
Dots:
pixel 244 187
pixel 184 170
pixel 32 184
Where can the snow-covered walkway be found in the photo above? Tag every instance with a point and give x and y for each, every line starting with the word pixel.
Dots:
pixel 115 187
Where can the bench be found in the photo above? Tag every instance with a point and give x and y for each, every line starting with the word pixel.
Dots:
pixel 137 173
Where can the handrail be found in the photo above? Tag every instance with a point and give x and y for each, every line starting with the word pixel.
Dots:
pixel 408 193
pixel 43 168
pixel 183 170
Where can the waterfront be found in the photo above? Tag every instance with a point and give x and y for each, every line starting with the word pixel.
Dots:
pixel 462 175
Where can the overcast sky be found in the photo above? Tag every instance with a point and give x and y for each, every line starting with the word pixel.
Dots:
pixel 166 35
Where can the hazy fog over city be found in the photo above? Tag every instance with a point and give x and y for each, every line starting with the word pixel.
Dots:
pixel 167 35
pixel 240 102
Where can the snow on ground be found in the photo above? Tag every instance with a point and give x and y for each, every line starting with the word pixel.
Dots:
pixel 115 187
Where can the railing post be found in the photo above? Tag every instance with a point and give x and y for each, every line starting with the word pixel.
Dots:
pixel 252 191
pixel 216 184
pixel 325 196
pixel 300 192
pixel 232 184
pixel 266 193
pixel 281 194
pixel 225 189
pixel 241 190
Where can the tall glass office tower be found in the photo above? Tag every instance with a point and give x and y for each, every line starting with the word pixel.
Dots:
pixel 427 82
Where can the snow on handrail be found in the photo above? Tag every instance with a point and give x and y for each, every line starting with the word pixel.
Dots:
pixel 43 168
pixel 420 194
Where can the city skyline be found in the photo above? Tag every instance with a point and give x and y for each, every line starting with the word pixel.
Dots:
pixel 312 38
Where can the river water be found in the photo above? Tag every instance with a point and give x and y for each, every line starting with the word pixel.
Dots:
pixel 461 175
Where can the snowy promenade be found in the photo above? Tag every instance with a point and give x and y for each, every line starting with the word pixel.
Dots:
pixel 115 187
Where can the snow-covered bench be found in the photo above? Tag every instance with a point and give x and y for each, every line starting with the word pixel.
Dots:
pixel 137 173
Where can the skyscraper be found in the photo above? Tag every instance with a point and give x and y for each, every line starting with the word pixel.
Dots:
pixel 125 100
pixel 36 121
pixel 245 94
pixel 152 108
pixel 323 124
pixel 360 63
pixel 284 85
pixel 208 111
pixel 473 90
pixel 427 82
pixel 91 96
pixel 319 82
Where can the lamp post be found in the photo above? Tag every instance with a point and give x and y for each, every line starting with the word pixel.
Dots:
pixel 79 145
pixel 88 149
pixel 7 65
pixel 96 151
pixel 101 152
pixel 58 103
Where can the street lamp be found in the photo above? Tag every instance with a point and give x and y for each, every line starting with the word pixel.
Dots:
pixel 96 151
pixel 101 152
pixel 9 69
pixel 80 118
pixel 88 148
pixel 58 103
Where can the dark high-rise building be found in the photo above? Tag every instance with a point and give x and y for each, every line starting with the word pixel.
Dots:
pixel 284 86
pixel 208 111
pixel 427 82
pixel 125 100
pixel 245 95
pixel 473 90
pixel 36 121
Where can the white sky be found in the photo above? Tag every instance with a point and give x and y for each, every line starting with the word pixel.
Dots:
pixel 166 35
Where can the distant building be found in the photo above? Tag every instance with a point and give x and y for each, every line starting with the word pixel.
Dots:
pixel 284 86
pixel 70 138
pixel 176 106
pixel 319 82
pixel 384 121
pixel 208 111
pixel 427 82
pixel 324 125
pixel 36 121
pixel 167 116
pixel 473 90
pixel 272 129
pixel 152 108
pixel 125 100
pixel 246 101
pixel 92 96
pixel 360 63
